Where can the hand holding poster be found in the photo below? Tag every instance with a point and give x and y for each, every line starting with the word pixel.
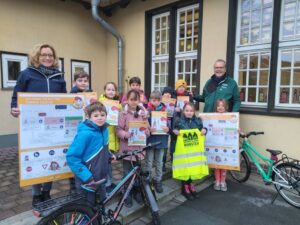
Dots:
pixel 112 108
pixel 182 100
pixel 159 120
pixel 47 125
pixel 137 129
pixel 170 105
pixel 222 140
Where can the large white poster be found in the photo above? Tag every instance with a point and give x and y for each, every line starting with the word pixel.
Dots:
pixel 222 140
pixel 47 126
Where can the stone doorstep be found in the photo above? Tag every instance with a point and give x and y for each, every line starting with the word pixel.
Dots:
pixel 172 190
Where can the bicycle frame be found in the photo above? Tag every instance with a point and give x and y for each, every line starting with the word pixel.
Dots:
pixel 254 154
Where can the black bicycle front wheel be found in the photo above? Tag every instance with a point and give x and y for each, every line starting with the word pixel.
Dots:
pixel 71 214
pixel 245 169
pixel 286 178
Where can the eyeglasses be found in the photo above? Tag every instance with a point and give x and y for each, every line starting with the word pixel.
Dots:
pixel 47 55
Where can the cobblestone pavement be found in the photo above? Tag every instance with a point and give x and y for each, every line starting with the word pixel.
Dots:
pixel 13 199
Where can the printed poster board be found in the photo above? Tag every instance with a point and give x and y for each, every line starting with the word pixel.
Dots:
pixel 170 104
pixel 47 126
pixel 137 128
pixel 158 120
pixel 182 100
pixel 112 108
pixel 222 140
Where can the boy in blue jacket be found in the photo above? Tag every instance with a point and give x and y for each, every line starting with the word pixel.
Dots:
pixel 88 156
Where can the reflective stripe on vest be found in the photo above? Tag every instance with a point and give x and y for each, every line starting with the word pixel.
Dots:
pixel 186 155
pixel 184 165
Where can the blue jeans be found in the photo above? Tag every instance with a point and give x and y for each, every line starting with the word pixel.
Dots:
pixel 155 157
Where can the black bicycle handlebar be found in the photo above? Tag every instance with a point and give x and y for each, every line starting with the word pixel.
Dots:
pixel 136 152
pixel 251 133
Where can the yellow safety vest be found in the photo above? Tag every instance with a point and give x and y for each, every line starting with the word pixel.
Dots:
pixel 189 159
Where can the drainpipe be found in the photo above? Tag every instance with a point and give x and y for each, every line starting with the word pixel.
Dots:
pixel 115 33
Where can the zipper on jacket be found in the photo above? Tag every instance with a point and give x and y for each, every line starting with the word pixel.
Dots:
pixel 47 78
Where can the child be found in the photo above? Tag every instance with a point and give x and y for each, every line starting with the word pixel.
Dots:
pixel 133 111
pixel 221 106
pixel 81 82
pixel 110 92
pixel 156 155
pixel 88 155
pixel 168 92
pixel 188 120
pixel 181 87
pixel 135 84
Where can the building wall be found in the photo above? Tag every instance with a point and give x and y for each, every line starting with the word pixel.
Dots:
pixel 67 26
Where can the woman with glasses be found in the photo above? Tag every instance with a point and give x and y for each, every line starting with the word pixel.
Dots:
pixel 41 75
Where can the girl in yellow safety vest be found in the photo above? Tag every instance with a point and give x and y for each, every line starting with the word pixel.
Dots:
pixel 188 120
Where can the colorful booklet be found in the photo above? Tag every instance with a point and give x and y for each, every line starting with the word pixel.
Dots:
pixel 158 120
pixel 170 104
pixel 137 128
pixel 182 100
pixel 88 97
pixel 112 108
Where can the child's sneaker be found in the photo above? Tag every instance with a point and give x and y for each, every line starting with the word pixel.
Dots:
pixel 217 186
pixel 187 193
pixel 223 186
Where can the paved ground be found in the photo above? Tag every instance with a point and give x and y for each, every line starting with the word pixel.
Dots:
pixel 243 204
pixel 13 199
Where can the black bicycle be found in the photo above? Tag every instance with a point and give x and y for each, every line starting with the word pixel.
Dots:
pixel 74 208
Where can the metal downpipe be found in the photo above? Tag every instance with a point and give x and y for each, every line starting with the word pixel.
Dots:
pixel 115 33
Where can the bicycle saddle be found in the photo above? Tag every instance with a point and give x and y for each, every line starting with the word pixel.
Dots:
pixel 274 152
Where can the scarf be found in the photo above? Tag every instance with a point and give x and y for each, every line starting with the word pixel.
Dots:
pixel 48 71
pixel 215 81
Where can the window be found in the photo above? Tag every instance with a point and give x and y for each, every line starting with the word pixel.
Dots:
pixel 174 31
pixel 288 72
pixel 266 64
pixel 160 50
pixel 187 45
pixel 253 50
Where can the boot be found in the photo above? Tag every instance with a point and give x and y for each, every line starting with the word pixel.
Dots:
pixel 158 187
pixel 36 199
pixel 138 198
pixel 46 195
pixel 193 190
pixel 186 192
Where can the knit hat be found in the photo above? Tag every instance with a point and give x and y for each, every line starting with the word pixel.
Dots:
pixel 168 90
pixel 180 83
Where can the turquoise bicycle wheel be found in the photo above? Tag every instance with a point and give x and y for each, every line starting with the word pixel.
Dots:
pixel 245 169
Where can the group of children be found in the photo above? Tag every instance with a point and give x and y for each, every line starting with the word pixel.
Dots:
pixel 96 141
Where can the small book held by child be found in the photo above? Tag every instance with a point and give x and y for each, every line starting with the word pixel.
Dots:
pixel 170 104
pixel 137 129
pixel 158 120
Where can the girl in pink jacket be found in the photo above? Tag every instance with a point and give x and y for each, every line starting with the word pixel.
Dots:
pixel 133 111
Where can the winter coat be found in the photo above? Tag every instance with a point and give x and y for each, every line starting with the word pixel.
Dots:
pixel 76 90
pixel 88 155
pixel 184 123
pixel 164 139
pixel 114 144
pixel 125 117
pixel 226 89
pixel 33 80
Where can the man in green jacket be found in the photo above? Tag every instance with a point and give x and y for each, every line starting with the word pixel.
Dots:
pixel 220 86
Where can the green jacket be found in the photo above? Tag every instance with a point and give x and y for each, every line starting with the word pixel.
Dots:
pixel 226 89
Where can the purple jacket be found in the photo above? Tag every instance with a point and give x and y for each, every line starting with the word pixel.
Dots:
pixel 123 125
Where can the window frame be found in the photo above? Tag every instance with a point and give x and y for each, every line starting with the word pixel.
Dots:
pixel 272 109
pixel 172 8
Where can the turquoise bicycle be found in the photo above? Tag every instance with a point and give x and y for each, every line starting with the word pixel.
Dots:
pixel 284 173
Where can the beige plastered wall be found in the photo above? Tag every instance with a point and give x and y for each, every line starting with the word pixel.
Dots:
pixel 280 132
pixel 67 26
